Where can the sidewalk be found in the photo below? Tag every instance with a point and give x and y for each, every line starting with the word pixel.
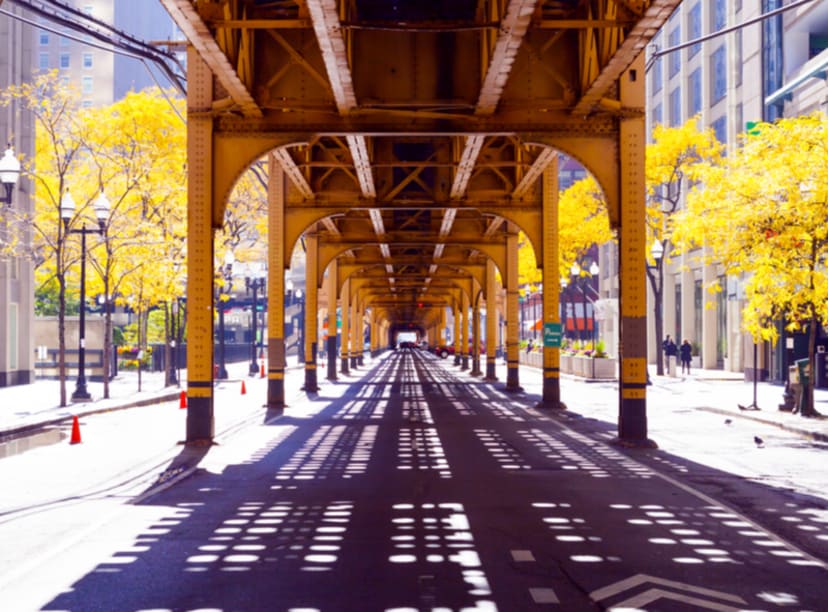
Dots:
pixel 28 408
pixel 35 406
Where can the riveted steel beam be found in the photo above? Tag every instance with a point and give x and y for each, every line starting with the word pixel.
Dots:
pixel 186 17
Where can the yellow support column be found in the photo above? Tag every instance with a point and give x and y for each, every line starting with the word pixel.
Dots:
pixel 346 328
pixel 491 321
pixel 632 418
pixel 551 396
pixel 464 330
pixel 512 345
pixel 276 193
pixel 200 417
pixel 311 311
pixel 355 330
pixel 457 327
pixel 330 348
pixel 475 350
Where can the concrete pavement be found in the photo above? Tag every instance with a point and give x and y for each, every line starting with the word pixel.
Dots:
pixel 34 408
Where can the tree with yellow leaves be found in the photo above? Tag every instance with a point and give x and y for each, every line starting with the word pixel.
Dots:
pixel 137 149
pixel 762 213
pixel 583 222
pixel 59 163
pixel 675 161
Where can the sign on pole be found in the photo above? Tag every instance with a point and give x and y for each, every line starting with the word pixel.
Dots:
pixel 552 334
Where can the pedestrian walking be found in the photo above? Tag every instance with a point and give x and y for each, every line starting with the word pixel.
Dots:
pixel 686 352
pixel 670 352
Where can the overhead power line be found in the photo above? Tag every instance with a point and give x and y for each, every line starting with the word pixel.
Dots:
pixel 659 52
pixel 107 36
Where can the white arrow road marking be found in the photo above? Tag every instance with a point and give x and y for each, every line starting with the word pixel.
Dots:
pixel 642 599
pixel 639 579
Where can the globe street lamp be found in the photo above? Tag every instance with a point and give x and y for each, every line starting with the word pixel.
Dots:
pixel 67 212
pixel 254 284
pixel 227 286
pixel 9 173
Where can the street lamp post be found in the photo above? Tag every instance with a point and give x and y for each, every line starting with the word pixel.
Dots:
pixel 67 212
pixel 9 173
pixel 655 273
pixel 227 286
pixel 254 284
pixel 174 316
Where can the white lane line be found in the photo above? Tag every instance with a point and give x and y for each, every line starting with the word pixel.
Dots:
pixel 522 555
pixel 814 561
pixel 544 596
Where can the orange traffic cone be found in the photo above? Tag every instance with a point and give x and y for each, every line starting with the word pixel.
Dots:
pixel 261 370
pixel 243 389
pixel 76 437
pixel 182 400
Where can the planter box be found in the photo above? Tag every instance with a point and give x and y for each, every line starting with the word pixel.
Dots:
pixel 602 368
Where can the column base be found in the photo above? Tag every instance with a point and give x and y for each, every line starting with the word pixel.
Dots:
pixel 645 443
pixel 344 366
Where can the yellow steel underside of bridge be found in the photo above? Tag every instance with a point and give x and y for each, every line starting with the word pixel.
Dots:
pixel 414 134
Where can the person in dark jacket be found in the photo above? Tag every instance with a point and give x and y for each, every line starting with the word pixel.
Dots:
pixel 670 352
pixel 686 352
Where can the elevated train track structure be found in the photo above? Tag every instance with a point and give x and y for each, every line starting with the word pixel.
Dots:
pixel 408 143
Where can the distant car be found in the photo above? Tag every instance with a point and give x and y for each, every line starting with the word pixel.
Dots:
pixel 443 351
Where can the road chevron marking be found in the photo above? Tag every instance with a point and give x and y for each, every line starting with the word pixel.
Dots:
pixel 639 579
pixel 647 597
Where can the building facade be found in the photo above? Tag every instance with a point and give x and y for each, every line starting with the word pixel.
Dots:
pixel 16 271
pixel 730 64
pixel 101 75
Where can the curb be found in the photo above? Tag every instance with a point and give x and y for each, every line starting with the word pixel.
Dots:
pixel 812 435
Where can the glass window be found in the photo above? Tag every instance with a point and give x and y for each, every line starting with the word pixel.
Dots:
pixel 739 67
pixel 717 61
pixel 658 115
pixel 772 56
pixel 675 56
pixel 43 61
pixel 719 15
pixel 87 60
pixel 694 24
pixel 675 107
pixel 44 38
pixel 695 85
pixel 86 104
pixel 86 85
pixel 87 9
pixel 64 60
pixel 678 306
pixel 657 75
pixel 64 42
pixel 720 129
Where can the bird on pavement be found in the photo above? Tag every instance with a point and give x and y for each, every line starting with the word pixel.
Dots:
pixel 759 441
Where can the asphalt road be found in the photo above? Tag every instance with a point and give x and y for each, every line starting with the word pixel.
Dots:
pixel 412 488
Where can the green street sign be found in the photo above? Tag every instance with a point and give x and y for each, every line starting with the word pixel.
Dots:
pixel 552 334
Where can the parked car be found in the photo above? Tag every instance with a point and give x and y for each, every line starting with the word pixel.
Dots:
pixel 444 351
